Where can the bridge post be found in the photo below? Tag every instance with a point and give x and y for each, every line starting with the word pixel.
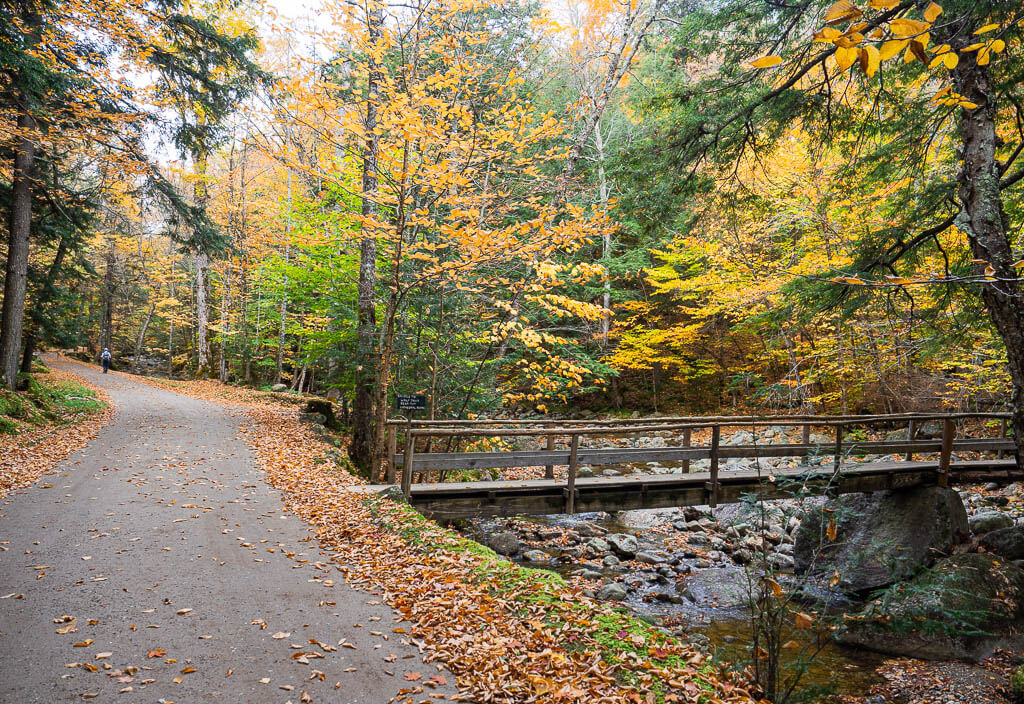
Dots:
pixel 549 469
pixel 805 436
pixel 407 461
pixel 1002 436
pixel 911 434
pixel 392 451
pixel 839 448
pixel 716 435
pixel 948 432
pixel 570 499
pixel 686 444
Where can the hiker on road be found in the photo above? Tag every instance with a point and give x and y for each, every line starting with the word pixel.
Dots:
pixel 105 358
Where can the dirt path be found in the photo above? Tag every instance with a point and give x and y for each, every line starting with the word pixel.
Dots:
pixel 161 540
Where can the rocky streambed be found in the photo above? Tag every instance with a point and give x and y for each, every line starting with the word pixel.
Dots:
pixel 925 573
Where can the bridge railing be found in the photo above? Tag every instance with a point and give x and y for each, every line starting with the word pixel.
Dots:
pixel 410 462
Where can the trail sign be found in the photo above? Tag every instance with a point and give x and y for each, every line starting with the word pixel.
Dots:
pixel 411 402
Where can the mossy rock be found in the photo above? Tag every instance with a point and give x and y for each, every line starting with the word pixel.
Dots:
pixel 961 609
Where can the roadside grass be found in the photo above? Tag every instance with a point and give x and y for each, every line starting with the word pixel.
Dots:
pixel 47 401
pixel 621 638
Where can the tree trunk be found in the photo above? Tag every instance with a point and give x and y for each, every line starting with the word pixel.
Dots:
pixel 366 358
pixel 44 296
pixel 984 222
pixel 606 238
pixel 170 324
pixel 284 292
pixel 202 265
pixel 16 273
pixel 107 330
pixel 201 261
pixel 225 325
pixel 141 339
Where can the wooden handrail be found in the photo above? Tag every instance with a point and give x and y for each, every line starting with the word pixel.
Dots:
pixel 839 423
pixel 796 419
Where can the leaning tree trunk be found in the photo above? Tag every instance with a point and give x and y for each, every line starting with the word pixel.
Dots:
pixel 12 318
pixel 984 222
pixel 362 448
pixel 141 339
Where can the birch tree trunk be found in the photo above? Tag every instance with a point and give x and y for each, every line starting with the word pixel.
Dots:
pixel 202 265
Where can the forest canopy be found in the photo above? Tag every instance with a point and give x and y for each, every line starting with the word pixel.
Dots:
pixel 523 207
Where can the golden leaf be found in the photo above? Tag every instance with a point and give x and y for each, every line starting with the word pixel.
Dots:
pixel 870 59
pixel 766 62
pixel 842 11
pixel 932 12
pixel 891 48
pixel 987 28
pixel 902 28
pixel 846 57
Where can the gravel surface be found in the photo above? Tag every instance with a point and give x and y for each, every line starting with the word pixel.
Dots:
pixel 157 566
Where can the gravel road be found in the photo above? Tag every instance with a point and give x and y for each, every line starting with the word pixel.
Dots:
pixel 158 560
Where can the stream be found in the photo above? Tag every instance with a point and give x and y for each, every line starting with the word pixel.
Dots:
pixel 836 669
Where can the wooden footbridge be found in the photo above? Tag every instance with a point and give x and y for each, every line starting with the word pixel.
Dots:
pixel 934 437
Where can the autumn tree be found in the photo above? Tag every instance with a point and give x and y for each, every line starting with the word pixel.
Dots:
pixel 913 93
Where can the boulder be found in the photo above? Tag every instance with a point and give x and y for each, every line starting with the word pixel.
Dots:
pixel 753 515
pixel 961 609
pixel 695 513
pixel 624 545
pixel 597 546
pixel 324 408
pixel 648 517
pixel 536 556
pixel 504 543
pixel 881 538
pixel 649 558
pixel 1008 543
pixel 988 521
pixel 590 530
pixel 279 387
pixel 613 591
pixel 740 437
pixel 724 587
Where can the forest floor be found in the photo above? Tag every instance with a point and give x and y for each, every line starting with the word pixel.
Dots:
pixel 198 550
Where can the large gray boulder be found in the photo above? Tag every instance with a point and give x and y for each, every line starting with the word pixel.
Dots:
pixel 725 587
pixel 988 521
pixel 758 515
pixel 961 609
pixel 1008 543
pixel 613 591
pixel 623 544
pixel 503 543
pixel 881 538
pixel 648 517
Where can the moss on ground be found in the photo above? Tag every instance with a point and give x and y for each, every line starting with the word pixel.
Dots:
pixel 46 401
pixel 618 634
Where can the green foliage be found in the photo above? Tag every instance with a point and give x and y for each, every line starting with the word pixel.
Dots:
pixel 1017 684
pixel 46 402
